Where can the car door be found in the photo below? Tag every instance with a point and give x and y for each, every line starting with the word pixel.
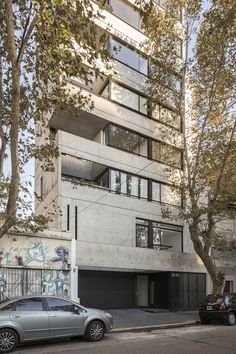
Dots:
pixel 29 315
pixel 65 318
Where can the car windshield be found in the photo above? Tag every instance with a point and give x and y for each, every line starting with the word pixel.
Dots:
pixel 213 298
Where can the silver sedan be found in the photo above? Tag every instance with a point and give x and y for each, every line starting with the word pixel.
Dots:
pixel 32 318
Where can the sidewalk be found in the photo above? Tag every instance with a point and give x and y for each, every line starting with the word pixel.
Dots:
pixel 138 319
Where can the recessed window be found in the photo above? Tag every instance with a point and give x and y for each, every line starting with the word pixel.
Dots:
pixel 128 98
pixel 166 154
pixel 127 184
pixel 126 12
pixel 151 234
pixel 126 140
pixel 128 56
pixel 166 116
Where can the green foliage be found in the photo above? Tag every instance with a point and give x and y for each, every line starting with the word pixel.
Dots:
pixel 43 45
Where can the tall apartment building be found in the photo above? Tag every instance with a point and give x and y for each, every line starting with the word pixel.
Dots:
pixel 110 183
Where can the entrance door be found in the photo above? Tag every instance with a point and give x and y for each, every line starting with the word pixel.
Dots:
pixel 142 290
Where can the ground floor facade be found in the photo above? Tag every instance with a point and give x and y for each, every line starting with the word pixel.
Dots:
pixel 118 290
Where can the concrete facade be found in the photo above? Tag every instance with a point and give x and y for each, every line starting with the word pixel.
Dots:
pixel 103 222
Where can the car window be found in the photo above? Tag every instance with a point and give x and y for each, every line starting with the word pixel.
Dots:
pixel 60 305
pixel 7 307
pixel 32 304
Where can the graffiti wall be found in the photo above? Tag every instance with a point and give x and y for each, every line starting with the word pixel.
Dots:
pixel 34 252
pixel 34 266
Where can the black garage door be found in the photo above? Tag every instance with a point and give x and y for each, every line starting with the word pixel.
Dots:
pixel 107 290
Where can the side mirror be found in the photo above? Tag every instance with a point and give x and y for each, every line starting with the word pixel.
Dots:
pixel 77 310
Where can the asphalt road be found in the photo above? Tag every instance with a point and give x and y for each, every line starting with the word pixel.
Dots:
pixel 210 339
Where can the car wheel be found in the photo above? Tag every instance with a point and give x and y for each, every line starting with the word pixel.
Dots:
pixel 231 319
pixel 8 340
pixel 95 331
pixel 204 321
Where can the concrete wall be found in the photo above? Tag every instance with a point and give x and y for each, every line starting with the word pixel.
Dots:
pixel 107 257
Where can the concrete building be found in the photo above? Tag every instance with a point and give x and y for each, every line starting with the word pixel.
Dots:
pixel 111 184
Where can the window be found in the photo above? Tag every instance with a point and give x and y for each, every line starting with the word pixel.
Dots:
pixel 142 227
pixel 7 307
pixel 156 191
pixel 166 154
pixel 128 98
pixel 128 56
pixel 55 304
pixel 126 12
pixel 33 304
pixel 126 140
pixel 171 195
pixel 130 185
pixel 167 116
pixel 156 235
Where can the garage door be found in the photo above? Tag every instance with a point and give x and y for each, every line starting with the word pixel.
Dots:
pixel 107 290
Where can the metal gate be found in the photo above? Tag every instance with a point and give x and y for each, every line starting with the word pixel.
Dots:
pixel 25 281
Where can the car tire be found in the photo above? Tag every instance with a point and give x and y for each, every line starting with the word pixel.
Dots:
pixel 231 319
pixel 204 321
pixel 8 340
pixel 95 331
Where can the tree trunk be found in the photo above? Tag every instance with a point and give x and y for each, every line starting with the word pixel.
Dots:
pixel 11 209
pixel 217 277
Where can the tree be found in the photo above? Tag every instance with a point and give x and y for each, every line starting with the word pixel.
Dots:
pixel 43 44
pixel 199 88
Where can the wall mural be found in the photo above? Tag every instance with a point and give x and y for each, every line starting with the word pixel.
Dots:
pixel 19 258
pixel 37 253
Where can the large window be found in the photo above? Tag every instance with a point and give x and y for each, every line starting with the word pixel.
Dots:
pixel 166 116
pixel 130 185
pixel 165 193
pixel 166 154
pixel 128 56
pixel 126 12
pixel 151 234
pixel 126 140
pixel 128 98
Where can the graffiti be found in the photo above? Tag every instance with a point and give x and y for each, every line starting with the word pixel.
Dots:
pixel 56 282
pixel 62 255
pixel 3 284
pixel 36 253
pixel 8 255
pixel 26 281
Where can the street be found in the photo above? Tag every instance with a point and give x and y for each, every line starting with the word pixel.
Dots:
pixel 210 339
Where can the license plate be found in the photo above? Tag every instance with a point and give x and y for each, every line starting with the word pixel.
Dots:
pixel 209 308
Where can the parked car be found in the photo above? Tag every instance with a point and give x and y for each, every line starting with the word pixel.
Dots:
pixel 219 307
pixel 32 318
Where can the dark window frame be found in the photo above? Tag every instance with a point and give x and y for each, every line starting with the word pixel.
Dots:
pixel 127 45
pixel 150 231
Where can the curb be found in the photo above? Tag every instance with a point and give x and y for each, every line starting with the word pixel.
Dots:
pixel 150 328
